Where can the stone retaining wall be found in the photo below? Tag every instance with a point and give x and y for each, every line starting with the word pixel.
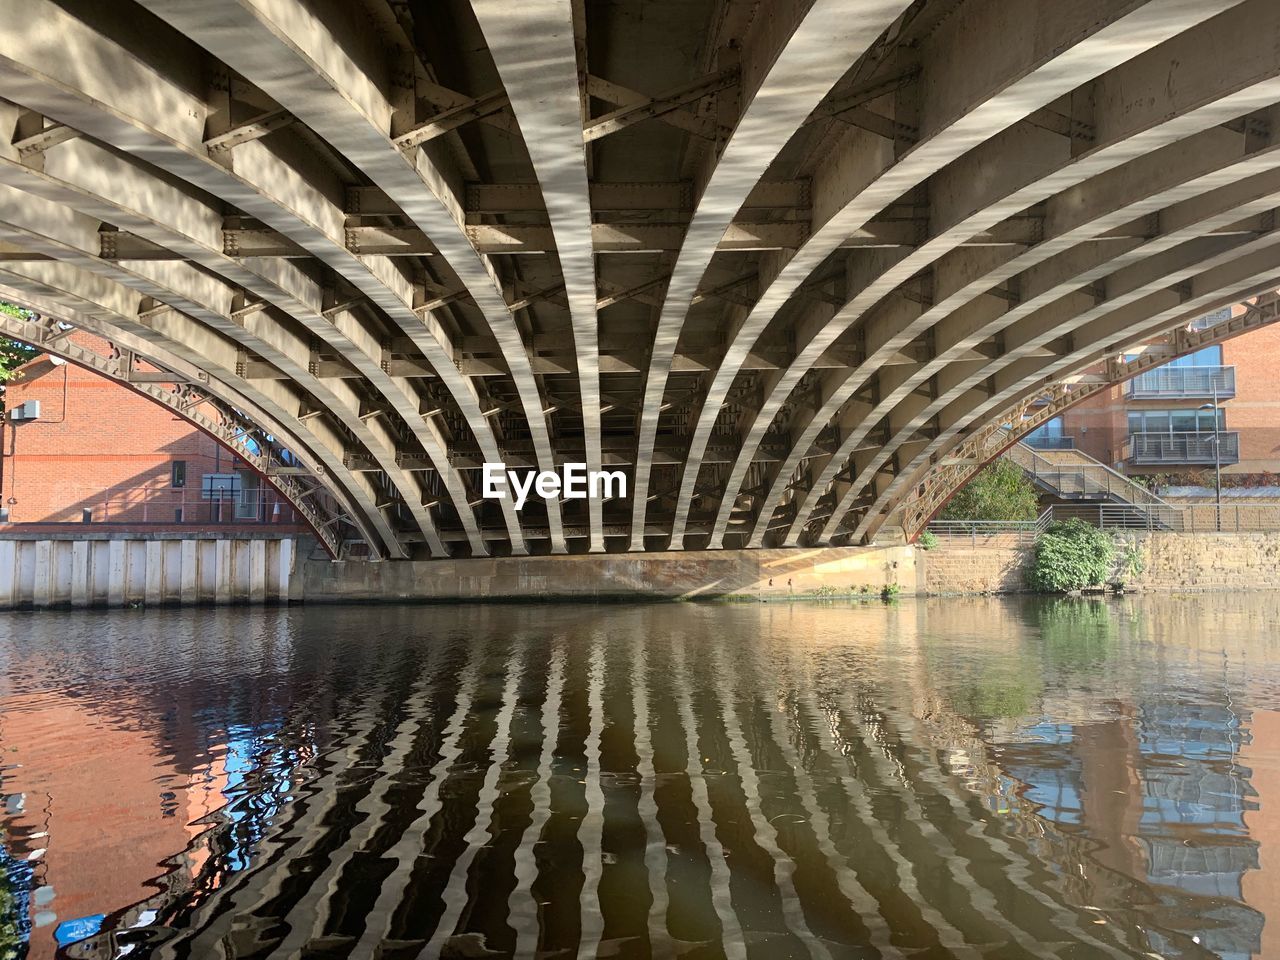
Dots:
pixel 1210 561
pixel 987 566
pixel 1171 562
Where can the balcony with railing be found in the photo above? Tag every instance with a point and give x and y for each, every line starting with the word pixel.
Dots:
pixel 1166 383
pixel 1155 449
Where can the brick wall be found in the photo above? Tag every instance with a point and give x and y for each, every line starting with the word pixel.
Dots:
pixel 1255 409
pixel 1100 425
pixel 99 446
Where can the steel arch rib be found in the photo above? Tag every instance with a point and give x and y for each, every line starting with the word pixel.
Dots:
pixel 139 111
pixel 532 44
pixel 291 54
pixel 1034 382
pixel 1044 73
pixel 66 279
pixel 1242 272
pixel 1260 310
pixel 86 177
pixel 1037 331
pixel 206 301
pixel 832 37
pixel 1044 273
pixel 46 283
pixel 19 329
pixel 1100 158
pixel 68 237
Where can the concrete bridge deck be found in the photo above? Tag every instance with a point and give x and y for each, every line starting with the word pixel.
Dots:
pixel 790 264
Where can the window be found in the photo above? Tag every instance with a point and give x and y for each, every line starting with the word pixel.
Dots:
pixel 178 474
pixel 1204 357
pixel 1186 420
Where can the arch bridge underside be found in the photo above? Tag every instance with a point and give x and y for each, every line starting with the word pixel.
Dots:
pixel 786 263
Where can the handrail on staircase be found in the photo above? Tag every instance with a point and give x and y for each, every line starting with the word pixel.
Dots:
pixel 1111 481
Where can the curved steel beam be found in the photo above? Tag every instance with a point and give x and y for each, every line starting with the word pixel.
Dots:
pixel 65 236
pixel 225 429
pixel 178 335
pixel 939 480
pixel 1226 197
pixel 85 177
pixel 143 111
pixel 304 64
pixel 830 38
pixel 1241 272
pixel 199 299
pixel 533 46
pixel 1152 290
pixel 29 295
pixel 1028 78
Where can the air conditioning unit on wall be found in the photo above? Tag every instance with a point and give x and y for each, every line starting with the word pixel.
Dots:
pixel 25 412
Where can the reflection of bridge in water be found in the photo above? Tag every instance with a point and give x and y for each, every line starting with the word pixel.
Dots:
pixel 779 261
pixel 614 784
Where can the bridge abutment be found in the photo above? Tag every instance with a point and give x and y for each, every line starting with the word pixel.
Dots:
pixel 761 574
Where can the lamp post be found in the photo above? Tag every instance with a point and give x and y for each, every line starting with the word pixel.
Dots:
pixel 1217 455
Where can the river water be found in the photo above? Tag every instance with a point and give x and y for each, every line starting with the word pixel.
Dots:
pixel 919 779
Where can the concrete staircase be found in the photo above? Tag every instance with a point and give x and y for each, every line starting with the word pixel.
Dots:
pixel 1098 491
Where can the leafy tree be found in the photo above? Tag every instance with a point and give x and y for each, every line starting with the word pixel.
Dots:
pixel 1001 491
pixel 1071 555
pixel 12 353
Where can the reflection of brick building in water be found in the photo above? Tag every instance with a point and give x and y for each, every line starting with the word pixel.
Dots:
pixel 99 453
pixel 161 812
pixel 1165 793
pixel 84 853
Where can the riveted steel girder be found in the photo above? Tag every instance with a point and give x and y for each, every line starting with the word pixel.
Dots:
pixel 1015 179
pixel 297 57
pixel 1242 273
pixel 774 260
pixel 970 196
pixel 1231 198
pixel 304 445
pixel 832 35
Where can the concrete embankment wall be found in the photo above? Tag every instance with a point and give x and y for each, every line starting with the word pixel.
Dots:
pixel 1170 561
pixel 674 575
pixel 119 571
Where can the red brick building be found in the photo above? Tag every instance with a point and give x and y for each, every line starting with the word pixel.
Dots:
pixel 97 452
pixel 1161 422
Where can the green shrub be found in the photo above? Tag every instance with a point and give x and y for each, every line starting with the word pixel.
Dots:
pixel 1001 491
pixel 826 590
pixel 1071 555
pixel 889 592
pixel 927 540
pixel 1131 563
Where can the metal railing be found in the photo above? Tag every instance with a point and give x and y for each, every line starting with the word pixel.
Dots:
pixel 1174 382
pixel 1082 477
pixel 181 507
pixel 1160 448
pixel 991 532
pixel 1179 518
